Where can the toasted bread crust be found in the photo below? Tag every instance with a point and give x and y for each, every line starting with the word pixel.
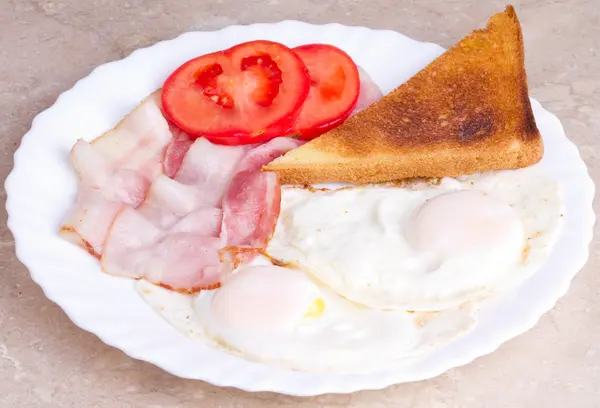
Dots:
pixel 468 111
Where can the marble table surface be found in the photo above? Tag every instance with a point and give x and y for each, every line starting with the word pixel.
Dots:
pixel 47 45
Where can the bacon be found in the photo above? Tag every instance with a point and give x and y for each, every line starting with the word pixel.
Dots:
pixel 184 257
pixel 154 204
pixel 115 171
pixel 89 220
pixel 250 209
pixel 204 221
pixel 369 92
pixel 167 201
pixel 201 181
pixel 173 238
pixel 251 204
pixel 138 142
pixel 260 155
pixel 209 168
pixel 184 262
pixel 176 151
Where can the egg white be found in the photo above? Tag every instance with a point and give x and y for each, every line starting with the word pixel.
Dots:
pixel 340 337
pixel 354 240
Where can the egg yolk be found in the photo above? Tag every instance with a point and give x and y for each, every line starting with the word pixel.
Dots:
pixel 461 222
pixel 315 309
pixel 266 299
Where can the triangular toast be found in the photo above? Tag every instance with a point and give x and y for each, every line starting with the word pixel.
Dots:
pixel 466 112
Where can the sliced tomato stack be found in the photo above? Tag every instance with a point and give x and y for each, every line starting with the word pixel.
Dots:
pixel 249 93
pixel 258 90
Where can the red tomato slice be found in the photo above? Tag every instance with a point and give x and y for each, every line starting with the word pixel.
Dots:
pixel 249 93
pixel 334 88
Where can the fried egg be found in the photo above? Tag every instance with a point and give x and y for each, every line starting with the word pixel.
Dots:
pixel 280 316
pixel 426 246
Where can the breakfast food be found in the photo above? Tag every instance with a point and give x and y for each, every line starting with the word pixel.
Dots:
pixel 334 89
pixel 336 277
pixel 468 111
pixel 218 198
pixel 259 90
pixel 114 171
pixel 423 247
pixel 157 202
pixel 249 93
pixel 279 316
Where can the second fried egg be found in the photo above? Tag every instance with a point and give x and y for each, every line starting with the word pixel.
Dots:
pixel 425 246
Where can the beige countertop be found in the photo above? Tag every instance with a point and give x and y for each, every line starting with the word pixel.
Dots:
pixel 46 45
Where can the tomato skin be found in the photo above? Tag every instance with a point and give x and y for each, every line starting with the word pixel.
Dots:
pixel 312 133
pixel 245 139
pixel 335 86
pixel 249 93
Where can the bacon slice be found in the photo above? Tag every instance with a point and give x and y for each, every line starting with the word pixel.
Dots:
pixel 204 221
pixel 209 168
pixel 184 257
pixel 138 142
pixel 173 237
pixel 167 201
pixel 153 204
pixel 184 263
pixel 369 92
pixel 114 171
pixel 89 220
pixel 201 181
pixel 176 151
pixel 251 208
pixel 251 204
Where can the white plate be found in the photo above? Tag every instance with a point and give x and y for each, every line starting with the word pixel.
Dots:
pixel 41 189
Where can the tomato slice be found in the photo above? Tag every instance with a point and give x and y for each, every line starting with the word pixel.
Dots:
pixel 334 88
pixel 249 93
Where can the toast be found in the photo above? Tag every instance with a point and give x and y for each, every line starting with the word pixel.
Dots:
pixel 466 112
